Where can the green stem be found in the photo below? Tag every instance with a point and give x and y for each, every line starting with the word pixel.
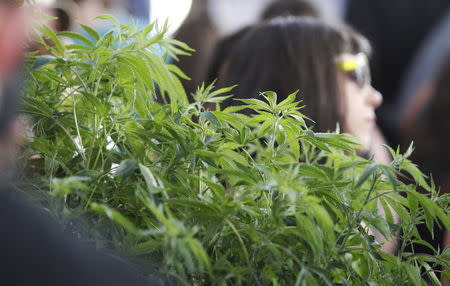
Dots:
pixel 352 221
pixel 244 249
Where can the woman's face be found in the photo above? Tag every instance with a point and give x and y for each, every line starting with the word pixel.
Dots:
pixel 360 98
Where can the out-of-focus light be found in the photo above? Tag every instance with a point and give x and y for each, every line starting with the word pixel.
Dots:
pixel 175 11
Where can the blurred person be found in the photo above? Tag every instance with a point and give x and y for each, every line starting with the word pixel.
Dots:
pixel 62 22
pixel 418 83
pixel 221 53
pixel 33 249
pixel 211 21
pixel 199 32
pixel 396 29
pixel 277 8
pixel 422 105
pixel 61 11
pixel 328 65
pixel 430 131
pixel 86 10
pixel 13 34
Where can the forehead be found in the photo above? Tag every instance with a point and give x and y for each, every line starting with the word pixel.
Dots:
pixel 351 57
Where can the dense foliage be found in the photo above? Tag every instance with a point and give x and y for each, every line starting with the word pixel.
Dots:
pixel 210 196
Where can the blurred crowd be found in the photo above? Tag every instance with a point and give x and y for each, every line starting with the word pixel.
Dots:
pixel 378 69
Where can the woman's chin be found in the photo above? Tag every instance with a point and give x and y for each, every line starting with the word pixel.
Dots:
pixel 365 140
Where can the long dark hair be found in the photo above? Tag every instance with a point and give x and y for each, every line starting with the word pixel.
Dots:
pixel 289 8
pixel 294 53
pixel 277 8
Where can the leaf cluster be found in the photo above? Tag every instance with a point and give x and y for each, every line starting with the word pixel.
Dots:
pixel 211 196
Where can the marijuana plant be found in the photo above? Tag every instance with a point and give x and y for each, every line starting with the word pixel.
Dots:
pixel 210 196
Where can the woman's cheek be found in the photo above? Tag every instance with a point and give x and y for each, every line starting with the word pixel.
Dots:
pixel 356 121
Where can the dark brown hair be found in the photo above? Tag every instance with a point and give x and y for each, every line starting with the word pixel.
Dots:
pixel 278 8
pixel 294 53
pixel 289 8
pixel 221 53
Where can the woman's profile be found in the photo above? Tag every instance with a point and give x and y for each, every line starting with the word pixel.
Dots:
pixel 327 64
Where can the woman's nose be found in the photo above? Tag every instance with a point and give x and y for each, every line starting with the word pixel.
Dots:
pixel 374 97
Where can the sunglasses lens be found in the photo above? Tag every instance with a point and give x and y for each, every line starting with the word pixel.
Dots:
pixel 363 78
pixel 364 70
pixel 357 69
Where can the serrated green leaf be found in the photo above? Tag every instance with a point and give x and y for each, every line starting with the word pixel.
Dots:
pixel 368 171
pixel 110 18
pixel 211 118
pixel 77 37
pixel 45 30
pixel 150 180
pixel 115 216
pixel 92 32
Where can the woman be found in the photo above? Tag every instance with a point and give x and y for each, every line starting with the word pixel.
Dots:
pixel 327 64
pixel 277 8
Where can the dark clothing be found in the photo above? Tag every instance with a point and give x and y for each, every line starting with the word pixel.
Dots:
pixel 425 67
pixel 396 29
pixel 34 252
pixel 10 95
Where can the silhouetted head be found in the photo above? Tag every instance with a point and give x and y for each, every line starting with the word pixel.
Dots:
pixel 289 8
pixel 278 8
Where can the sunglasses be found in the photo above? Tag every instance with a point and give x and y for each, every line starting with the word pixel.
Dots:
pixel 357 69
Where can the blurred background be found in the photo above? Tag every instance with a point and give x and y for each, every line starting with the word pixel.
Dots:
pixel 410 39
pixel 410 63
